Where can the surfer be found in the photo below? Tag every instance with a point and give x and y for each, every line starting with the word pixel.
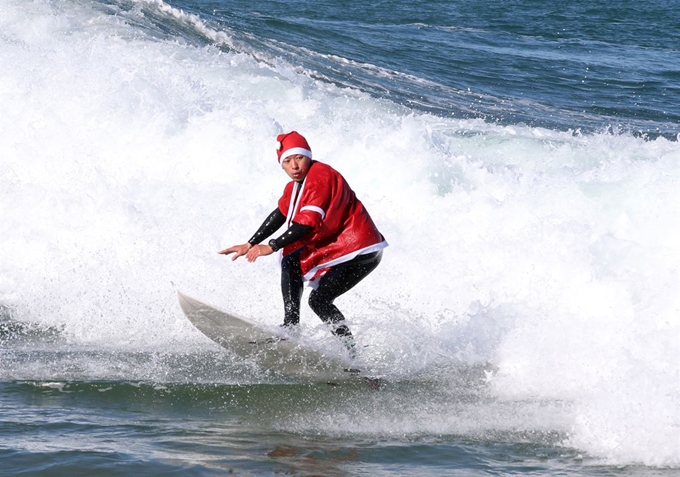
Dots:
pixel 330 240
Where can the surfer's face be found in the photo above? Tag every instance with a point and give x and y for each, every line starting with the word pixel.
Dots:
pixel 296 166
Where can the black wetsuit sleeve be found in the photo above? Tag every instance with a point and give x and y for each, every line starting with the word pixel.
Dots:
pixel 270 225
pixel 295 232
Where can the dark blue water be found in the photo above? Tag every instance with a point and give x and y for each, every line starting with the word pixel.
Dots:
pixel 582 65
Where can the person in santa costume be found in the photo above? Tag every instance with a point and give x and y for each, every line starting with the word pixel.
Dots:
pixel 330 241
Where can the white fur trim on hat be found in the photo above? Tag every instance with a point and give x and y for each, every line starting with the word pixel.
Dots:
pixel 296 150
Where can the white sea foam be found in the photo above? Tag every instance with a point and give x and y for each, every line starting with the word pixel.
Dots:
pixel 128 161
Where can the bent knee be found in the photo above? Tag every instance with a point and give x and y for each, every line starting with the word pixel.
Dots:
pixel 317 303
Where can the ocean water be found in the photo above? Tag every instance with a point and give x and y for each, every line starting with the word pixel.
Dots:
pixel 521 158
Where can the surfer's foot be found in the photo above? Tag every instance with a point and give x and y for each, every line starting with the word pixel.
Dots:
pixel 290 328
pixel 351 346
pixel 342 331
pixel 290 324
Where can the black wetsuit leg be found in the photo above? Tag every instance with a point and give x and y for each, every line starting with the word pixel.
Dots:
pixel 337 281
pixel 291 287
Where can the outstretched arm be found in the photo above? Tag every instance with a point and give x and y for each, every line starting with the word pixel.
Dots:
pixel 270 225
pixel 293 234
pixel 252 250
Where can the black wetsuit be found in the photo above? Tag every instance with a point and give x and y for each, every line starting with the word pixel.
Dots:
pixel 336 281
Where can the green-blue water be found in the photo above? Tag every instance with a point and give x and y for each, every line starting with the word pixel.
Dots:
pixel 149 428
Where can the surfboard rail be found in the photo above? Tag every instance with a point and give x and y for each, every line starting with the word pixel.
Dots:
pixel 265 347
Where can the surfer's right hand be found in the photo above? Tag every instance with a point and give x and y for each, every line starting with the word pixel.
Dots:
pixel 237 250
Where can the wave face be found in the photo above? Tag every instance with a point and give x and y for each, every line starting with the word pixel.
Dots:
pixel 581 66
pixel 137 140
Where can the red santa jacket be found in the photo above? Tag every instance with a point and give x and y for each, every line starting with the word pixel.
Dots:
pixel 342 228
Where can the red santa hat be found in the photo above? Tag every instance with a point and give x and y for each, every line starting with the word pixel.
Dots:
pixel 290 144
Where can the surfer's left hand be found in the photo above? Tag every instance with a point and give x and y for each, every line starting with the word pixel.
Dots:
pixel 237 250
pixel 258 251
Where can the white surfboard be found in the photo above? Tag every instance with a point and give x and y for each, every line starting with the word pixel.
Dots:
pixel 264 347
